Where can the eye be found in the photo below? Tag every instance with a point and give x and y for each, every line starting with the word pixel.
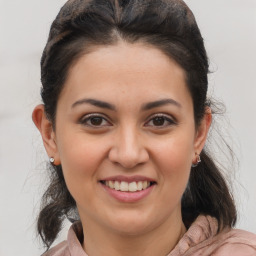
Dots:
pixel 95 120
pixel 160 120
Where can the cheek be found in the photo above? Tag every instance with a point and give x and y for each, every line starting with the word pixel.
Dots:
pixel 80 157
pixel 173 158
pixel 80 151
pixel 176 152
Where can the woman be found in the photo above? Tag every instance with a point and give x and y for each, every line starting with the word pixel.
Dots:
pixel 124 121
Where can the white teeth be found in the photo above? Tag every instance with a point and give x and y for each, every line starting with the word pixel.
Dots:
pixel 139 185
pixel 144 184
pixel 125 186
pixel 132 187
pixel 111 184
pixel 117 185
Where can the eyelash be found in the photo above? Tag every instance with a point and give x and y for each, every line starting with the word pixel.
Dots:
pixel 166 118
pixel 89 118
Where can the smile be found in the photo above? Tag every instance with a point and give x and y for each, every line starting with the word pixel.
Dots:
pixel 124 186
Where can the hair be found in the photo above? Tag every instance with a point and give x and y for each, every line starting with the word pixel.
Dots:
pixel 168 25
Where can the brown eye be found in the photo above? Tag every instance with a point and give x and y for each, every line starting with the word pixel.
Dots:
pixel 160 121
pixel 94 120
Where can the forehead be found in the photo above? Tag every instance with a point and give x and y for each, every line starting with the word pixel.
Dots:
pixel 125 69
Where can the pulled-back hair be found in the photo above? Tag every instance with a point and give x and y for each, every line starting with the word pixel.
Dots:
pixel 168 25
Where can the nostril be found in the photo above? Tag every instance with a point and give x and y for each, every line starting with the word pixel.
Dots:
pixel 128 158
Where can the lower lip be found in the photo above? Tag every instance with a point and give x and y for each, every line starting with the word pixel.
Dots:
pixel 128 197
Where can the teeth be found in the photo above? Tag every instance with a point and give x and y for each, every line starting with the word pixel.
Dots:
pixel 116 185
pixel 132 187
pixel 111 184
pixel 125 186
pixel 139 185
pixel 144 184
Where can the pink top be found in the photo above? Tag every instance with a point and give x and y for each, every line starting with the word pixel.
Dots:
pixel 200 239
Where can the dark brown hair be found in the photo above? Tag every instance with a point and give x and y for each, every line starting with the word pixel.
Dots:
pixel 168 25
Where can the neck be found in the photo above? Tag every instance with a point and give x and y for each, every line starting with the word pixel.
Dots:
pixel 159 241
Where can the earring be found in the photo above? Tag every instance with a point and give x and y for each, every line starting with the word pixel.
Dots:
pixel 198 160
pixel 51 160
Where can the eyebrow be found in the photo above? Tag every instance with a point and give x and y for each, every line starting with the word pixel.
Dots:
pixel 159 103
pixel 97 103
pixel 147 106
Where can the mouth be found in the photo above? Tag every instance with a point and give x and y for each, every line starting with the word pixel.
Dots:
pixel 125 186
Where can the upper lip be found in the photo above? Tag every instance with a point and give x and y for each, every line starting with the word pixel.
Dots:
pixel 128 178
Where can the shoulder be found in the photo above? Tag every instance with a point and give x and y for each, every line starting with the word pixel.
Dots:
pixel 235 242
pixel 202 238
pixel 59 250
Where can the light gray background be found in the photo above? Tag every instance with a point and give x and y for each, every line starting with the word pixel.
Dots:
pixel 229 29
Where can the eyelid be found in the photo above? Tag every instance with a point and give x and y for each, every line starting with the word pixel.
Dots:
pixel 167 117
pixel 87 117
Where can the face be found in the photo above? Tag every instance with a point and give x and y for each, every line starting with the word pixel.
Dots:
pixel 125 137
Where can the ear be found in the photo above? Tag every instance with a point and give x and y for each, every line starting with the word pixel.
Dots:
pixel 45 127
pixel 202 131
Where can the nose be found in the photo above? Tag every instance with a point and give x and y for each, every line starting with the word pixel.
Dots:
pixel 128 149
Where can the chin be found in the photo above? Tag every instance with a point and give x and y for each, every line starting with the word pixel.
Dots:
pixel 132 224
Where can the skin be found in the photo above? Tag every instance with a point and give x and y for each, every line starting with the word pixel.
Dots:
pixel 126 141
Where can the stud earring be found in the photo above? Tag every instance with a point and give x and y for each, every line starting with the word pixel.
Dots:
pixel 198 160
pixel 51 160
